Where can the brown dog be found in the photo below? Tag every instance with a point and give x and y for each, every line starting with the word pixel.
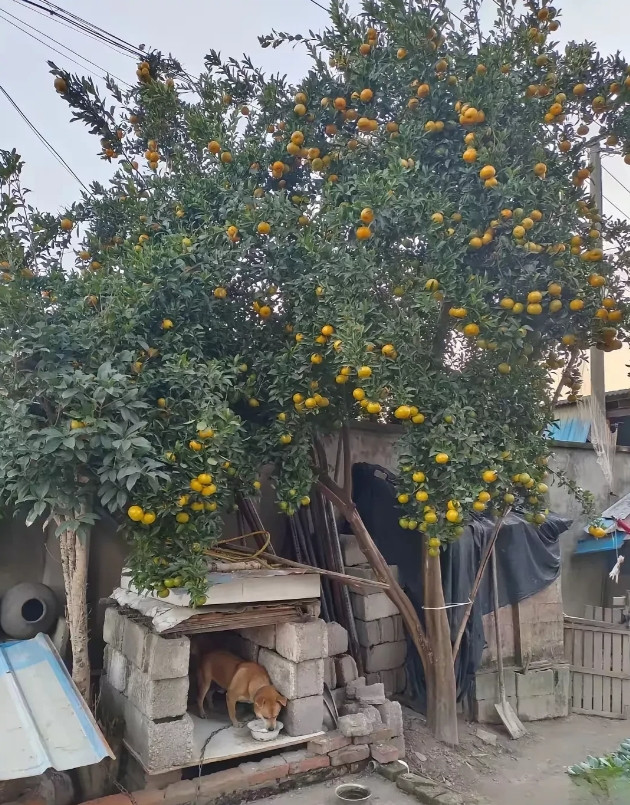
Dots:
pixel 243 682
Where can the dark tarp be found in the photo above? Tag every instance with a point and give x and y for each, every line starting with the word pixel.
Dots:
pixel 528 560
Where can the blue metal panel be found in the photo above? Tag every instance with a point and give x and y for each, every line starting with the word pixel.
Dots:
pixel 44 722
pixel 570 430
pixel 609 543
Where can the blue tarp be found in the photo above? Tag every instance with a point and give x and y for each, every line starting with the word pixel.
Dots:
pixel 570 430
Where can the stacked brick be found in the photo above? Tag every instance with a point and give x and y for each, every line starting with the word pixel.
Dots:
pixel 535 694
pixel 379 625
pixel 145 684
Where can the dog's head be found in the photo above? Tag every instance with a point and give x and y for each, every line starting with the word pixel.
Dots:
pixel 267 705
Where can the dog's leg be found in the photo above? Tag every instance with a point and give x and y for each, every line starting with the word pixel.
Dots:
pixel 230 700
pixel 203 686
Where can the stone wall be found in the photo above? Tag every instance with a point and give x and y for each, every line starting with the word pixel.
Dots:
pixel 379 625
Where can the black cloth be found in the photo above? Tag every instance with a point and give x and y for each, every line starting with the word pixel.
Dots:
pixel 528 560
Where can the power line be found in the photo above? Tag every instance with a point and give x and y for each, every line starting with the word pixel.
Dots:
pixel 48 145
pixel 619 182
pixel 61 44
pixel 612 203
pixel 315 3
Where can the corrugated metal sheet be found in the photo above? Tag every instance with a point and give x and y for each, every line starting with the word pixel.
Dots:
pixel 610 543
pixel 571 429
pixel 44 722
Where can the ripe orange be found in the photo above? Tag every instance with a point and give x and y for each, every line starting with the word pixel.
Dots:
pixel 167 324
pixel 66 224
pixel 226 157
pixel 263 228
pixel 471 330
pixel 60 84
pixel 489 476
pixel 540 169
pixel 363 233
pixel 442 458
pixel 214 147
pixel 401 53
pixel 366 95
pixel 487 172
pixel 470 155
pixel 135 513
pixel 423 90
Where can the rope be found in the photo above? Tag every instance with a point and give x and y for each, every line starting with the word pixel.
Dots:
pixel 450 606
pixel 234 556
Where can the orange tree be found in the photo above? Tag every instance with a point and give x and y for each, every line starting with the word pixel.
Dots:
pixel 404 236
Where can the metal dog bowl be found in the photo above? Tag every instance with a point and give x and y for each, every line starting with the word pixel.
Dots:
pixel 261 733
pixel 352 792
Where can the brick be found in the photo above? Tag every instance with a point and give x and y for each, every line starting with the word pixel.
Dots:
pixel 379 735
pixel 166 657
pixel 159 744
pixel 534 683
pixel 116 667
pixel 487 684
pixel 271 768
pixel 330 674
pixel 388 678
pixel 352 725
pixel 385 656
pixel 368 632
pixel 293 680
pixel 325 744
pixel 399 742
pixel 373 716
pixel 391 771
pixel 371 694
pixel 372 607
pixel 352 687
pixel 352 554
pixel 178 793
pixel 212 786
pixel 388 630
pixel 391 715
pixel 349 754
pixel 399 628
pixel 263 636
pixel 401 679
pixel 134 638
pixel 345 669
pixel 303 716
pixel 337 639
pixel 113 628
pixel 300 762
pixel 537 708
pixel 163 698
pixel 298 642
pixel 384 752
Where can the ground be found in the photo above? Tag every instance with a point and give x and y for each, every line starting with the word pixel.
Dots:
pixel 532 768
pixel 383 793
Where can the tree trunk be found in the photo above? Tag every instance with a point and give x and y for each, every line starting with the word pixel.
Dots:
pixel 74 556
pixel 440 678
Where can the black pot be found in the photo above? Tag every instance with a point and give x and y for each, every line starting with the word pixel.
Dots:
pixel 27 609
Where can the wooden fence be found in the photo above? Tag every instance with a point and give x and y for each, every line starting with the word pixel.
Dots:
pixel 598 650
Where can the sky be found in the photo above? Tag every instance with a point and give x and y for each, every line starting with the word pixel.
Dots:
pixel 189 29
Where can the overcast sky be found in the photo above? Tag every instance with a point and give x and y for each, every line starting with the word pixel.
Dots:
pixel 188 29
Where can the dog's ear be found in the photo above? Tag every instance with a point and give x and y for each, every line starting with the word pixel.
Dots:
pixel 282 700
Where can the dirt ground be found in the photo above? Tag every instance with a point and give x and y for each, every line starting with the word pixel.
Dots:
pixel 532 769
pixel 383 793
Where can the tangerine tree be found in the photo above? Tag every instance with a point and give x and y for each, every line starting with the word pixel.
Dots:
pixel 404 236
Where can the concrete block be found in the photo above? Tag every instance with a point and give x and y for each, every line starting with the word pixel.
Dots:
pixel 111 705
pixel 352 554
pixel 339 696
pixel 391 715
pixel 378 735
pixel 116 667
pixel 330 674
pixel 537 708
pixel 422 788
pixel 300 762
pixel 384 752
pixel 349 709
pixel 399 742
pixel 303 716
pixel 263 636
pixel 244 648
pixel 166 657
pixel 366 572
pixel 388 630
pixel 345 669
pixel 487 684
pixel 354 725
pixel 113 628
pixel 133 644
pixel 157 698
pixel 159 745
pixel 371 694
pixel 325 744
pixel 265 771
pixel 373 716
pixel 213 786
pixel 349 754
pixel 562 686
pixel 385 656
pixel 534 683
pixel 372 607
pixel 293 680
pixel 337 639
pixel 369 633
pixel 399 628
pixel 486 713
pixel 307 640
pixel 401 679
pixel 392 771
pixel 135 778
pixel 388 678
pixel 353 687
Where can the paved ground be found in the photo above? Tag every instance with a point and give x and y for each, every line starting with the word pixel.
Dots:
pixel 383 793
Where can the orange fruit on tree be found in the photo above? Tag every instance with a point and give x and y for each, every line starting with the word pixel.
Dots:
pixel 469 155
pixel 366 95
pixel 214 147
pixel 363 233
pixel 442 458
pixel 263 228
pixel 487 172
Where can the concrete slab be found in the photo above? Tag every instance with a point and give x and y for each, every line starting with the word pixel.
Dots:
pixel 383 791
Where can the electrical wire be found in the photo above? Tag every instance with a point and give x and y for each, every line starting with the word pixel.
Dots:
pixel 104 72
pixel 612 204
pixel 619 182
pixel 38 133
pixel 315 3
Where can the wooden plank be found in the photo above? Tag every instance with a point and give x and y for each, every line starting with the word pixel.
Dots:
pixel 589 612
pixel 598 664
pixel 608 615
pixel 580 669
pixel 581 623
pixel 616 684
pixel 587 662
pixel 606 670
pixel 577 685
pixel 598 613
pixel 599 713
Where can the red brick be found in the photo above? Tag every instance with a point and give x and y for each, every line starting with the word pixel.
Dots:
pixel 267 770
pixel 311 763
pixel 179 793
pixel 349 754
pixel 385 752
pixel 151 797
pixel 325 744
pixel 221 782
pixel 380 735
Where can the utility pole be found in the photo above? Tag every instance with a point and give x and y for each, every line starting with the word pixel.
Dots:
pixel 598 373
